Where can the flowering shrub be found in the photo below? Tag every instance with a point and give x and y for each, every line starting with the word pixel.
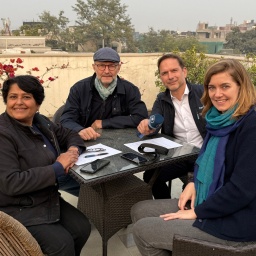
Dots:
pixel 8 69
pixel 197 64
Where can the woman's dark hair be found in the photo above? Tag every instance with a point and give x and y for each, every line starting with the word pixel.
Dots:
pixel 27 83
pixel 171 56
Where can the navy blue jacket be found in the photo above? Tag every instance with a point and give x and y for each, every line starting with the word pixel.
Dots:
pixel 164 106
pixel 127 107
pixel 230 212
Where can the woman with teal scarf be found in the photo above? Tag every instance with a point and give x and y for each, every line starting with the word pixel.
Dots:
pixel 223 192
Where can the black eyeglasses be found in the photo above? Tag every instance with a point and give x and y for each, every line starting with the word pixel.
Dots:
pixel 102 67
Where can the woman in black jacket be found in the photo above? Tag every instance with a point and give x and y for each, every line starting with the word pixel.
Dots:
pixel 31 162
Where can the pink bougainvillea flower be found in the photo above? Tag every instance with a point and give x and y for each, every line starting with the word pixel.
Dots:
pixel 8 71
pixel 19 60
pixel 9 68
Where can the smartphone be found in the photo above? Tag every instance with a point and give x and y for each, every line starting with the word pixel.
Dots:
pixel 94 166
pixel 134 158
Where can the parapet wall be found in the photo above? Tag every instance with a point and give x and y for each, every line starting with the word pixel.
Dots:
pixel 136 68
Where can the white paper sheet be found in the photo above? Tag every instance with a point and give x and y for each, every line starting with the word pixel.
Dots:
pixel 157 141
pixel 111 151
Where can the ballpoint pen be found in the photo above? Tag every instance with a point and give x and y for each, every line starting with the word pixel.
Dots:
pixel 100 154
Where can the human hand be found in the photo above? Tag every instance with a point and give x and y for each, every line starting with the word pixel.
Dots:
pixel 181 214
pixel 74 149
pixel 189 193
pixel 89 134
pixel 68 159
pixel 143 127
pixel 97 124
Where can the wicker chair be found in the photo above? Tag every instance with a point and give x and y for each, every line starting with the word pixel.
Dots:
pixel 185 246
pixel 15 239
pixel 57 114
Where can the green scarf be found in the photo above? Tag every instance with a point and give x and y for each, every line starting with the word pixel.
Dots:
pixel 105 92
pixel 216 121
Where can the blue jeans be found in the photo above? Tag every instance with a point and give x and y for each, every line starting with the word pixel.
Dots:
pixel 69 185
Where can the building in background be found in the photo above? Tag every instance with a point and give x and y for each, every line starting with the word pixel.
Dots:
pixel 23 44
pixel 214 37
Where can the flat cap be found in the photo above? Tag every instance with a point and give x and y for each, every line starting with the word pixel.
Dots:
pixel 106 54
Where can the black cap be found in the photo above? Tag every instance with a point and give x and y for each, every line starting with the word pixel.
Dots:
pixel 106 54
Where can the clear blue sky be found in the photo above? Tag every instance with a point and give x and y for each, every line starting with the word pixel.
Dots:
pixel 179 15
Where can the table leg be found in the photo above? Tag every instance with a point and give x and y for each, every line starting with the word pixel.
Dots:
pixel 108 204
pixel 154 177
pixel 104 238
pixel 104 248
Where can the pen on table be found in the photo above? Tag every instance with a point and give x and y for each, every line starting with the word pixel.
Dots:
pixel 100 154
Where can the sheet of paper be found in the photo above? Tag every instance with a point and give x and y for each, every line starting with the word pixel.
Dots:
pixel 96 155
pixel 157 141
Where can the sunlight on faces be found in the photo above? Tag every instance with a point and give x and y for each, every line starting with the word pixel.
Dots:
pixel 21 105
pixel 223 91
pixel 106 72
pixel 172 75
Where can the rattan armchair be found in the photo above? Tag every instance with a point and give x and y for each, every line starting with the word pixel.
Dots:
pixel 57 114
pixel 15 239
pixel 185 246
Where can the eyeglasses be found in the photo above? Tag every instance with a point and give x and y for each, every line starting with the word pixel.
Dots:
pixel 102 67
pixel 95 149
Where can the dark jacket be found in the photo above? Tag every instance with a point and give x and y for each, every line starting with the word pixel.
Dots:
pixel 28 187
pixel 230 212
pixel 164 106
pixel 127 108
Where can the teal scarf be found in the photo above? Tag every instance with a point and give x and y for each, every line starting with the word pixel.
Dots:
pixel 105 92
pixel 220 126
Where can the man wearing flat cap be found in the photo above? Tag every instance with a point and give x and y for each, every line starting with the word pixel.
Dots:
pixel 103 100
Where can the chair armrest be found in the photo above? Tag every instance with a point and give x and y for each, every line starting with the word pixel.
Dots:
pixel 15 239
pixel 186 246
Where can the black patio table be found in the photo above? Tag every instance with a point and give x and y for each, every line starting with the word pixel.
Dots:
pixel 107 196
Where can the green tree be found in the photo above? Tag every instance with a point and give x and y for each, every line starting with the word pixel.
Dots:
pixel 241 42
pixel 185 43
pixel 32 30
pixel 56 30
pixel 104 21
pixel 250 65
pixel 166 41
pixel 156 41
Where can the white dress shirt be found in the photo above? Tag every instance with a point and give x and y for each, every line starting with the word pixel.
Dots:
pixel 185 128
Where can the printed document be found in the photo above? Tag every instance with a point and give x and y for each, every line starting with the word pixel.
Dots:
pixel 89 156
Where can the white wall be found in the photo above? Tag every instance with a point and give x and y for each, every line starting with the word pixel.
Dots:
pixel 137 68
